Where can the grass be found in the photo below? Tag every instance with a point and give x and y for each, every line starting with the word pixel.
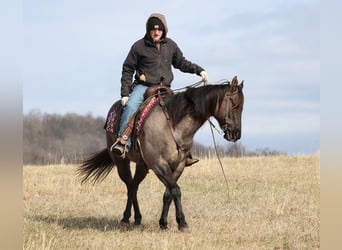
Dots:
pixel 271 203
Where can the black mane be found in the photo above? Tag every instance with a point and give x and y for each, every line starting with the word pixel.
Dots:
pixel 199 103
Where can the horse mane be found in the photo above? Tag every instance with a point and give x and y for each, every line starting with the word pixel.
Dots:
pixel 196 102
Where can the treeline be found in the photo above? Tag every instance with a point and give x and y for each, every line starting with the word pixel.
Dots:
pixel 54 139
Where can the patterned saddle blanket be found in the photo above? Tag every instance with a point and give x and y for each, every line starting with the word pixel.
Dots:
pixel 152 96
pixel 112 124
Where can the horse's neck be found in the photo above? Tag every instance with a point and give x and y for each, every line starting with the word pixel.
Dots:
pixel 186 129
pixel 187 125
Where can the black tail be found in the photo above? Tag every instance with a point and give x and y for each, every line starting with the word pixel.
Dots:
pixel 96 167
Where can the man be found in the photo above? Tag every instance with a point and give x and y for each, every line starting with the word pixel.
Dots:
pixel 150 59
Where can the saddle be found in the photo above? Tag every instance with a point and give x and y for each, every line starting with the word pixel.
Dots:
pixel 157 90
pixel 153 95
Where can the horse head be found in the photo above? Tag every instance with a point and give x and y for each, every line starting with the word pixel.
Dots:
pixel 230 110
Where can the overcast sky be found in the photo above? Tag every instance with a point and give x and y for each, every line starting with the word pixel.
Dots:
pixel 74 50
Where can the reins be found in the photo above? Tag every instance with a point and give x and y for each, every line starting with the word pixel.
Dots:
pixel 217 155
pixel 196 84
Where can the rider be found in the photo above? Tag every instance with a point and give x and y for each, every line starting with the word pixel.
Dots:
pixel 150 59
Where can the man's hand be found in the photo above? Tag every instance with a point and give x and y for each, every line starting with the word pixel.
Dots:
pixel 204 76
pixel 124 100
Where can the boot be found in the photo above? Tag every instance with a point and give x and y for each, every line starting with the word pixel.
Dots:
pixel 189 160
pixel 119 146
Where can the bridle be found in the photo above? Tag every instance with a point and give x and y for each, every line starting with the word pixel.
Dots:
pixel 225 126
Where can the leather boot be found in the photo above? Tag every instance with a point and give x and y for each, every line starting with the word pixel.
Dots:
pixel 189 160
pixel 118 149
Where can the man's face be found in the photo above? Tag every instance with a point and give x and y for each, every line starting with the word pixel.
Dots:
pixel 156 35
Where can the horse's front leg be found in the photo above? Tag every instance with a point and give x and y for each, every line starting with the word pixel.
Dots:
pixel 169 177
pixel 180 217
pixel 167 198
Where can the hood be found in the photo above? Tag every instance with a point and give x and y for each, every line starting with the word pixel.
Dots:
pixel 161 17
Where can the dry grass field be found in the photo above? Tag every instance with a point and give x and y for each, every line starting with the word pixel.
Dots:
pixel 273 203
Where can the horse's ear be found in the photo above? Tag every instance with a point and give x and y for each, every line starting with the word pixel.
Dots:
pixel 241 84
pixel 234 84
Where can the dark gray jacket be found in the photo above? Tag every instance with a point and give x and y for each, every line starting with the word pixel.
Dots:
pixel 145 58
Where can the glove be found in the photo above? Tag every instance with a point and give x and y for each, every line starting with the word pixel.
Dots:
pixel 204 77
pixel 124 100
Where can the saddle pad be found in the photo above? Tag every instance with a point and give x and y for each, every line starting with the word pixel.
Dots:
pixel 113 118
pixel 112 124
pixel 144 113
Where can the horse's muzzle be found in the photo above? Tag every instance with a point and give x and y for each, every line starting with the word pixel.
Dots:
pixel 232 135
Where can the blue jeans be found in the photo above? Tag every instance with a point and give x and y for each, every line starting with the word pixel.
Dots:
pixel 136 98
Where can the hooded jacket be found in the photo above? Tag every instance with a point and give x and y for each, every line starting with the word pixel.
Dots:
pixel 145 58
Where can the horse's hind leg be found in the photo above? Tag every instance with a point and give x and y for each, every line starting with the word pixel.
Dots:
pixel 132 185
pixel 140 174
pixel 125 174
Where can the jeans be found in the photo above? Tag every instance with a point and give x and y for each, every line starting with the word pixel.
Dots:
pixel 136 98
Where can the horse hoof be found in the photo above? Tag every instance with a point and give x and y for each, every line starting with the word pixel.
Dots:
pixel 164 227
pixel 183 228
pixel 137 223
pixel 124 225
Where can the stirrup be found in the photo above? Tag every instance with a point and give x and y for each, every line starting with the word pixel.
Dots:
pixel 119 148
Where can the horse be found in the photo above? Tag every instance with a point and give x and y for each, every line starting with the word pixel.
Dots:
pixel 165 141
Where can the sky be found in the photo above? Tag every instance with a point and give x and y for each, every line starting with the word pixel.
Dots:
pixel 74 49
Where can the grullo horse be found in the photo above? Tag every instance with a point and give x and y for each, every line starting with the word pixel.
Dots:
pixel 164 142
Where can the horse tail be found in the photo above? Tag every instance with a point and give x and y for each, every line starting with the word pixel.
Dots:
pixel 96 167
